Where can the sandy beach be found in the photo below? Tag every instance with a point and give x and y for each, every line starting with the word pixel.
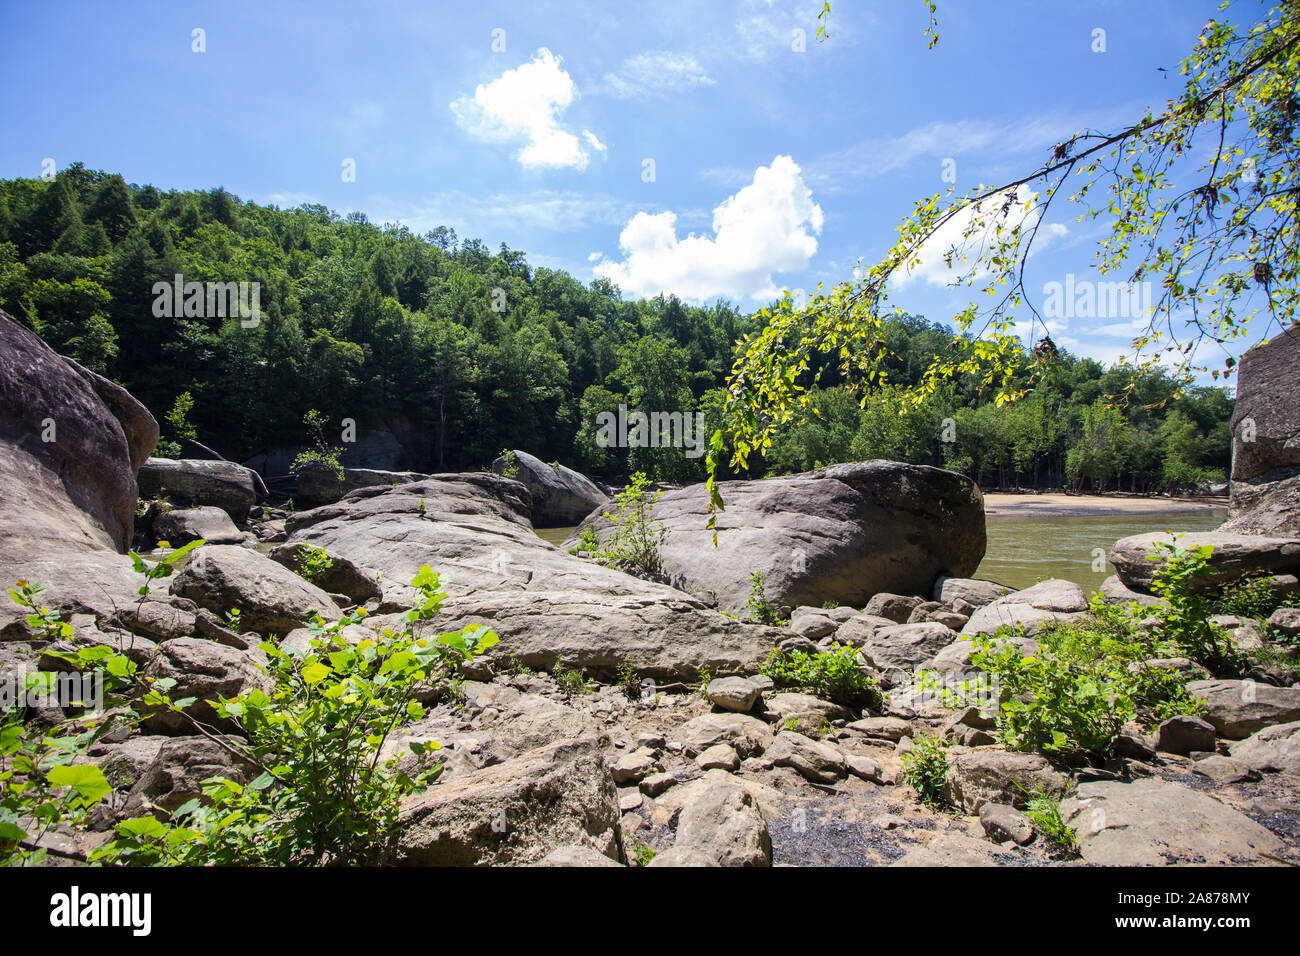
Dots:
pixel 1056 504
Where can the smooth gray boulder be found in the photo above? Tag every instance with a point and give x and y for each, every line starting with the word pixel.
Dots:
pixel 1051 600
pixel 515 812
pixel 974 591
pixel 70 445
pixel 319 484
pixel 903 646
pixel 845 533
pixel 195 482
pixel 561 496
pixel 183 525
pixel 1234 556
pixel 725 823
pixel 1273 749
pixel 546 606
pixel 1152 822
pixel 271 599
pixel 977 777
pixel 1239 708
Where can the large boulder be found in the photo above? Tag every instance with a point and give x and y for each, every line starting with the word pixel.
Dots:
pixel 319 484
pixel 724 822
pixel 70 445
pixel 1051 600
pixel 547 606
pixel 1266 415
pixel 1265 488
pixel 1239 708
pixel 977 777
pixel 846 532
pixel 1156 823
pixel 1273 749
pixel 561 496
pixel 1234 556
pixel 205 671
pixel 515 812
pixel 271 599
pixel 183 525
pixel 194 482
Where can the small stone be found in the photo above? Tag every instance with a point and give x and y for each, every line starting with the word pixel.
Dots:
pixel 633 767
pixel 888 821
pixel 719 757
pixel 651 741
pixel 886 728
pixel 1184 734
pixel 657 783
pixel 629 800
pixel 738 694
pixel 864 767
pixel 1003 823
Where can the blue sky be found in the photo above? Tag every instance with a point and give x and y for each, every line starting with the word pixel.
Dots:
pixel 532 123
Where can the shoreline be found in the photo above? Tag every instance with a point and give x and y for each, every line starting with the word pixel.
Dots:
pixel 1061 505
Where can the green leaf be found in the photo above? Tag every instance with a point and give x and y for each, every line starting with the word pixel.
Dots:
pixel 87 780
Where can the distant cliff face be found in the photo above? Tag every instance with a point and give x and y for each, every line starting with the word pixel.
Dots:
pixel 1266 440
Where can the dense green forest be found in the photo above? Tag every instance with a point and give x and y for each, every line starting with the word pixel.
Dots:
pixel 461 351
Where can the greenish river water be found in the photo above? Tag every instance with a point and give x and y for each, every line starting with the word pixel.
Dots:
pixel 1022 551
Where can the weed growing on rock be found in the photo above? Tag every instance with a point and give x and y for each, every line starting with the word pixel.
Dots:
pixel 1085 681
pixel 628 680
pixel 925 768
pixel 572 681
pixel 637 537
pixel 311 563
pixel 509 464
pixel 1186 618
pixel 835 675
pixel 1044 810
pixel 321 452
pixel 760 609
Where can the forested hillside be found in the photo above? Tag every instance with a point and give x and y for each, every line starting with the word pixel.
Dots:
pixel 461 351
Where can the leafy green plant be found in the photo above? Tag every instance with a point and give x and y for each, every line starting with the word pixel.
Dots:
pixel 312 563
pixel 835 675
pixel 1044 811
pixel 830 605
pixel 321 451
pixel 636 537
pixel 571 681
pixel 509 464
pixel 1252 596
pixel 705 677
pixel 628 680
pixel 589 540
pixel 162 568
pixel 642 853
pixel 329 787
pixel 519 668
pixel 760 609
pixel 1180 580
pixel 41 789
pixel 1084 683
pixel 925 768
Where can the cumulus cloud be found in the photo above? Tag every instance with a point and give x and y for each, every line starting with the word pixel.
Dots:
pixel 524 105
pixel 766 227
pixel 992 227
pixel 648 74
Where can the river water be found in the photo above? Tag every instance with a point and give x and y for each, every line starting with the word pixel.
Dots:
pixel 1022 551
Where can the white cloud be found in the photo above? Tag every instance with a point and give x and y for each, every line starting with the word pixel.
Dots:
pixel 764 228
pixel 524 104
pixel 767 26
pixel 648 74
pixel 949 240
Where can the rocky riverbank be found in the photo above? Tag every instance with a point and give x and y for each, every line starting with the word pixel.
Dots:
pixel 627 718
